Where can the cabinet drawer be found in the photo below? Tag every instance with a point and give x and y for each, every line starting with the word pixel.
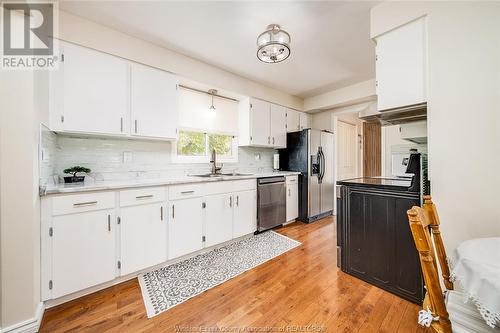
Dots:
pixel 142 196
pixel 244 185
pixel 185 191
pixel 219 187
pixel 291 180
pixel 78 203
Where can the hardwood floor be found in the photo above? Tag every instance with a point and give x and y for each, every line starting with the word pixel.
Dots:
pixel 300 290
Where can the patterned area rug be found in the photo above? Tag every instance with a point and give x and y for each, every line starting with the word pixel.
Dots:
pixel 166 287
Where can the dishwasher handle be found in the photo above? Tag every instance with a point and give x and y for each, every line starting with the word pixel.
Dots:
pixel 271 180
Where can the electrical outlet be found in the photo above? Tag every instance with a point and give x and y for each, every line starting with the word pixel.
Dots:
pixel 127 157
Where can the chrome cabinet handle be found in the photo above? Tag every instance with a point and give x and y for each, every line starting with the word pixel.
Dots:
pixel 109 222
pixel 121 124
pixel 237 200
pixel 187 192
pixel 149 196
pixel 135 124
pixel 83 204
pixel 173 211
pixel 161 213
pixel 288 192
pixel 231 201
pixel 273 140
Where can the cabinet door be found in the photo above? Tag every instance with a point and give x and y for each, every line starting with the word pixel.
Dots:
pixel 278 126
pixel 400 66
pixel 292 201
pixel 245 213
pixel 153 103
pixel 83 251
pixel 143 237
pixel 356 234
pixel 218 219
pixel 292 120
pixel 92 92
pixel 260 123
pixel 185 227
pixel 304 120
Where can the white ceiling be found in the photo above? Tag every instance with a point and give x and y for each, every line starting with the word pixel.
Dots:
pixel 331 47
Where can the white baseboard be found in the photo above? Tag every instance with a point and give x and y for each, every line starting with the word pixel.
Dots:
pixel 27 326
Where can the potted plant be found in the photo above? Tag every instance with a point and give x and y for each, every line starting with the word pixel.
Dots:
pixel 74 170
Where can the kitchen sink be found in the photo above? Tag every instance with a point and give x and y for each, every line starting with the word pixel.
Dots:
pixel 211 175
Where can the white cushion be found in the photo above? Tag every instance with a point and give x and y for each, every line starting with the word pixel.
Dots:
pixel 464 316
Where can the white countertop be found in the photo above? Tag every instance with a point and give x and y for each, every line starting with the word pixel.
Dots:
pixel 120 184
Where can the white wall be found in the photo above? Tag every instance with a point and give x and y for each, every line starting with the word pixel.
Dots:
pixel 84 32
pixel 463 110
pixel 19 201
pixel 353 94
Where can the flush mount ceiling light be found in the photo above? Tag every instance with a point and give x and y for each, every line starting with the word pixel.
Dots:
pixel 273 45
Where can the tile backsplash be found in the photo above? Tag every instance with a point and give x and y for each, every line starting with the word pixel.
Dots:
pixel 119 159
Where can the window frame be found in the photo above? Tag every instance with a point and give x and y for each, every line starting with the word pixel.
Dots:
pixel 206 158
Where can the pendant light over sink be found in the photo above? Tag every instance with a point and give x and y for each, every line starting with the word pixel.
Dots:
pixel 211 109
pixel 273 45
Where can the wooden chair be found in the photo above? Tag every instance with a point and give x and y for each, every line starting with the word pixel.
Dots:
pixel 450 313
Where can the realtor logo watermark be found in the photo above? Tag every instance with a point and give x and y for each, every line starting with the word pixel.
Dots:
pixel 28 31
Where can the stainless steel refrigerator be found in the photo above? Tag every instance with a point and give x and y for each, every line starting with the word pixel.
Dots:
pixel 311 152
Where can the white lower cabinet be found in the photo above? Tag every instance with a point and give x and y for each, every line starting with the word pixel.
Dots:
pixel 92 238
pixel 292 198
pixel 83 251
pixel 143 237
pixel 245 213
pixel 185 227
pixel 218 219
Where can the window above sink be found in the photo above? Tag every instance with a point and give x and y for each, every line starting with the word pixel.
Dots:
pixel 195 147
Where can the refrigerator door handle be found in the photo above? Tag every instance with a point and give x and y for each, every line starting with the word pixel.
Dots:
pixel 321 165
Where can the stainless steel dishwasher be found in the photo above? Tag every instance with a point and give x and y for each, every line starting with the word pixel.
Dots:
pixel 271 202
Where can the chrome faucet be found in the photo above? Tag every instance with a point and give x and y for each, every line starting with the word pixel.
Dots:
pixel 213 163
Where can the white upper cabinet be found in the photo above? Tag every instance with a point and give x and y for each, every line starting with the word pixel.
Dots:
pixel 90 92
pixel 260 127
pixel 292 120
pixel 401 66
pixel 304 120
pixel 154 111
pixel 278 126
pixel 260 122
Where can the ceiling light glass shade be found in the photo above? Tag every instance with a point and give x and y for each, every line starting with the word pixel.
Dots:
pixel 273 45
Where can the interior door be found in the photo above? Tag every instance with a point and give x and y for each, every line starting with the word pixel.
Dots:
pixel 94 92
pixel 278 126
pixel 218 219
pixel 83 251
pixel 347 151
pixel 327 181
pixel 245 213
pixel 143 237
pixel 185 227
pixel 372 150
pixel 153 102
pixel 260 123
